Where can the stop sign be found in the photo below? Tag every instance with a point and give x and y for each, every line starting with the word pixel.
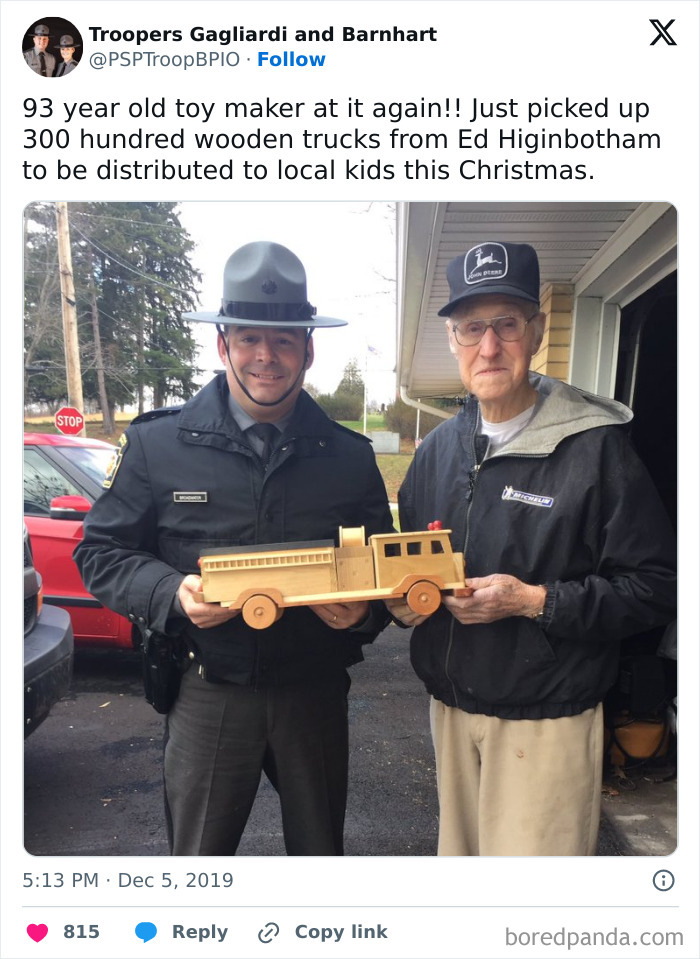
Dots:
pixel 69 420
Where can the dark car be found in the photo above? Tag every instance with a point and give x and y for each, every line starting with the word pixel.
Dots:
pixel 48 649
pixel 62 479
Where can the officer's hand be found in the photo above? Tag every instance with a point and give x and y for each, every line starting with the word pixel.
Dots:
pixel 204 615
pixel 400 610
pixel 496 597
pixel 342 615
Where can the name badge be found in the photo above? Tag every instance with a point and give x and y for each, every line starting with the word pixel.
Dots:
pixel 191 497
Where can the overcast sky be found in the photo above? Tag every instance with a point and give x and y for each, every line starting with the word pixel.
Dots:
pixel 348 251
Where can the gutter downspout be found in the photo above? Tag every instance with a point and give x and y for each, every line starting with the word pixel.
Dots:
pixel 418 405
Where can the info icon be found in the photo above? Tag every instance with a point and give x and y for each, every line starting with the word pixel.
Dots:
pixel 663 880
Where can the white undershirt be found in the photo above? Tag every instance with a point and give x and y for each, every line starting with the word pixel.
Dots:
pixel 501 433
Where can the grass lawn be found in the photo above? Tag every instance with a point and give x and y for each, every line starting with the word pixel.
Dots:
pixel 375 421
pixel 393 469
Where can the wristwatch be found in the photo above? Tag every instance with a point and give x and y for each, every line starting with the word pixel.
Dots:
pixel 538 617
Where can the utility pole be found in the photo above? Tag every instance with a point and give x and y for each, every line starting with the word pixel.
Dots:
pixel 107 424
pixel 70 321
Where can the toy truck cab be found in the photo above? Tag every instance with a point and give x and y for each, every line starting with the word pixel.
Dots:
pixel 418 565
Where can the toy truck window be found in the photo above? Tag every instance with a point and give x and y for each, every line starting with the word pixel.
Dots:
pixel 436 546
pixel 392 549
pixel 414 549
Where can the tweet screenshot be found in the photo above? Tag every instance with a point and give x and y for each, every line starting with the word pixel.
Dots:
pixel 355 351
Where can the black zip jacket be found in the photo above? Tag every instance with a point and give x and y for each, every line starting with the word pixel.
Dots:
pixel 567 504
pixel 140 537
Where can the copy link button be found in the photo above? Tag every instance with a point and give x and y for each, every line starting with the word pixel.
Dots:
pixel 268 932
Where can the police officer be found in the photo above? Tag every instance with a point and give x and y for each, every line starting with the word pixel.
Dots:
pixel 37 58
pixel 206 475
pixel 67 46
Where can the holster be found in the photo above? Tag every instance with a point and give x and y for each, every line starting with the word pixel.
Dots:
pixel 164 660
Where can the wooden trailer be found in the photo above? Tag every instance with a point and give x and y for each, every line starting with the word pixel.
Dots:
pixel 263 580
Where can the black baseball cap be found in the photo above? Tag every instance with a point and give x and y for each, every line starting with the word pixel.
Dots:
pixel 511 269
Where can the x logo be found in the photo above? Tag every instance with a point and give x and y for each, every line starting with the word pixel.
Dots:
pixel 662 31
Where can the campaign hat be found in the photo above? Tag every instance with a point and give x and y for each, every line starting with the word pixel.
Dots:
pixel 41 30
pixel 265 285
pixel 67 41
pixel 511 269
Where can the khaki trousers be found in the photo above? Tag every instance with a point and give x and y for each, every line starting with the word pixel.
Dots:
pixel 517 787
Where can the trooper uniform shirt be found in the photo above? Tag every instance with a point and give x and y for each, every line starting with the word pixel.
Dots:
pixel 188 479
pixel 64 67
pixel 32 58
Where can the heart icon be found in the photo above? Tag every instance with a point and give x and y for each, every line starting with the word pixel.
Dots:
pixel 37 933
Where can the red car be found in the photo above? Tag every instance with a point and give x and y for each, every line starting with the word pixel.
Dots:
pixel 62 479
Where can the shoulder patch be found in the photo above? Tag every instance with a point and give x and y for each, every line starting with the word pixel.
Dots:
pixel 115 461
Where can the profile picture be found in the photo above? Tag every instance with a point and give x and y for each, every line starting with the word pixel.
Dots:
pixel 52 47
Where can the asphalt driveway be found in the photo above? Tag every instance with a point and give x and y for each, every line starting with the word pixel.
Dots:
pixel 93 769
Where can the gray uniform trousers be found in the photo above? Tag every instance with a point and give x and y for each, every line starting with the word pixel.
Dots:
pixel 221 737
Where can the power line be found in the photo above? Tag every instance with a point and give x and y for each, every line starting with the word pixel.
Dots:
pixel 116 219
pixel 128 267
pixel 119 219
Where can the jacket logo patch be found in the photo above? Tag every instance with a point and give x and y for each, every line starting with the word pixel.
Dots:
pixel 532 499
pixel 191 497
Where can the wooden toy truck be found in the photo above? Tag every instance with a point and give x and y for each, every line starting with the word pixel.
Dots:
pixel 262 581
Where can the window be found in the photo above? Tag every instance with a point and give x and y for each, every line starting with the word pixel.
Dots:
pixel 91 460
pixel 42 482
pixel 392 549
pixel 436 546
pixel 414 549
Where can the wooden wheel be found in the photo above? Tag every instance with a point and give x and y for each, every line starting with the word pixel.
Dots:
pixel 423 598
pixel 260 612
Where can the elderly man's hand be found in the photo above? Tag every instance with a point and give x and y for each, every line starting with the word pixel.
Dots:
pixel 204 615
pixel 496 597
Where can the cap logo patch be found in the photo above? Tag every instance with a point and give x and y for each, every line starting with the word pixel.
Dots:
pixel 488 261
pixel 269 286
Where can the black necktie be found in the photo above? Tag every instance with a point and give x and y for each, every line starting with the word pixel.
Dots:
pixel 42 61
pixel 268 434
pixel 61 69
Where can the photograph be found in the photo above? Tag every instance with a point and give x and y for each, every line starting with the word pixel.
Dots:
pixel 52 48
pixel 350 528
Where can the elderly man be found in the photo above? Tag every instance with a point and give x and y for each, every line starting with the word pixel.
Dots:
pixel 250 459
pixel 37 58
pixel 568 550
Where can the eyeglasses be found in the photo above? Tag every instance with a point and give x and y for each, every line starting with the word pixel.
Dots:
pixel 507 328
